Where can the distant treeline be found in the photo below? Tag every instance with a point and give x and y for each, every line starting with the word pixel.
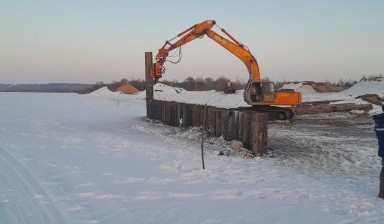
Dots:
pixel 139 84
pixel 204 84
pixel 50 87
pixel 190 84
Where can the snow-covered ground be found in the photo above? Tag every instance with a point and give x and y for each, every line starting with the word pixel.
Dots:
pixel 67 158
pixel 219 99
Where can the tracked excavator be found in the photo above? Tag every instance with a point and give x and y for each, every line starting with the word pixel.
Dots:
pixel 260 94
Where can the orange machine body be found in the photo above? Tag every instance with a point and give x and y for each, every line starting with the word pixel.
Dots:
pixel 257 92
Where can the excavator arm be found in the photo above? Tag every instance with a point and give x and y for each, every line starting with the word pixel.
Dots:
pixel 199 30
pixel 257 92
pixel 239 51
pixel 186 36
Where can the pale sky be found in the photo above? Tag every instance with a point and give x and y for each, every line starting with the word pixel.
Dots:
pixel 87 41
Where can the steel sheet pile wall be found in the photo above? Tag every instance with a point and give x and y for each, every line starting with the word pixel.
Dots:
pixel 249 127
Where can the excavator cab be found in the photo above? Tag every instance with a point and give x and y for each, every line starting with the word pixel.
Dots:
pixel 259 92
pixel 263 93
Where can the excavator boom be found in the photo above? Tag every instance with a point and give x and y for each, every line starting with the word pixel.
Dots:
pixel 239 51
pixel 186 36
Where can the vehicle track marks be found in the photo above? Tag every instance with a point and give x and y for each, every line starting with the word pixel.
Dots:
pixel 24 200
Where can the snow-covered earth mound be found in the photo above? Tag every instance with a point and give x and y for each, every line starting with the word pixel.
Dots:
pixel 300 87
pixel 361 88
pixel 104 91
pixel 347 96
pixel 211 98
pixel 219 99
pixel 365 87
pixel 159 87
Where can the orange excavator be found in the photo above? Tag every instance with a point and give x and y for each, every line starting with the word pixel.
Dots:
pixel 261 94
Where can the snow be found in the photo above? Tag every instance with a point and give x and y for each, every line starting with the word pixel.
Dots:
pixel 219 99
pixel 213 98
pixel 349 95
pixel 365 87
pixel 102 91
pixel 376 110
pixel 361 88
pixel 67 158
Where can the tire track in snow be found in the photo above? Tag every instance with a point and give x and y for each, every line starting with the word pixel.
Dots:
pixel 27 201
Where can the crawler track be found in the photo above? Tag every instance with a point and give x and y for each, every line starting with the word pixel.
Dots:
pixel 274 113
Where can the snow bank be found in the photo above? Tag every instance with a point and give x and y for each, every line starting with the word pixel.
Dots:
pixel 219 99
pixel 347 96
pixel 164 92
pixel 116 97
pixel 211 98
pixel 159 87
pixel 104 91
pixel 361 88
pixel 365 87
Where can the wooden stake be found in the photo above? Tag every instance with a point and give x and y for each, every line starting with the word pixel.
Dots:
pixel 148 81
pixel 258 133
pixel 202 137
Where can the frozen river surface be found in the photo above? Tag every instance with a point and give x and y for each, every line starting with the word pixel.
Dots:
pixel 66 158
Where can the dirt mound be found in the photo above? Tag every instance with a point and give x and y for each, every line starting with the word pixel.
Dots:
pixel 309 87
pixel 300 87
pixel 371 98
pixel 330 108
pixel 323 87
pixel 127 89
